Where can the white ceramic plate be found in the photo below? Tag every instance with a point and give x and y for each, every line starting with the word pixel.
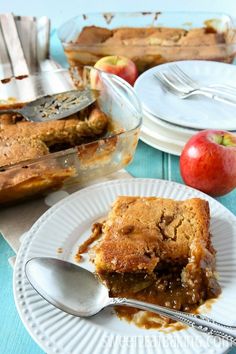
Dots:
pixel 156 133
pixel 164 136
pixel 66 225
pixel 196 112
pixel 159 142
pixel 171 129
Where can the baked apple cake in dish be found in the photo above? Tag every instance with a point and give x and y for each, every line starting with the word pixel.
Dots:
pixel 149 39
pixel 39 157
pixel 156 250
pixel 21 140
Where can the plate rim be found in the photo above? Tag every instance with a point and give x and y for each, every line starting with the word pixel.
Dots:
pixel 166 124
pixel 30 234
pixel 155 145
pixel 153 134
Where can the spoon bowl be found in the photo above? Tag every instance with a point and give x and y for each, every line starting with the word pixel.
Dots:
pixel 67 286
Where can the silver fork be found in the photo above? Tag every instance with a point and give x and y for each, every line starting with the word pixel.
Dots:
pixel 226 89
pixel 173 84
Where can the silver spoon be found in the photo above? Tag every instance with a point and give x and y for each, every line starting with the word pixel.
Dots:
pixel 56 106
pixel 79 292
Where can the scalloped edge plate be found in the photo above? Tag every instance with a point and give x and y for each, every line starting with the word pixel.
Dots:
pixel 65 226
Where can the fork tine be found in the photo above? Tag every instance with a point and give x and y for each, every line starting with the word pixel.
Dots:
pixel 186 79
pixel 165 84
pixel 176 81
pixel 223 88
pixel 177 84
pixel 161 81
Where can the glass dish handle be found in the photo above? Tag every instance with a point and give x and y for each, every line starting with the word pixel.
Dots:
pixel 116 83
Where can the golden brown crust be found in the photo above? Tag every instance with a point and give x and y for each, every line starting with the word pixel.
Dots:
pixel 141 232
pixel 20 147
pixel 19 184
pixel 158 250
pixel 149 47
pixel 201 37
pixel 22 141
pixel 93 34
pixel 145 36
pixel 36 138
pixel 162 36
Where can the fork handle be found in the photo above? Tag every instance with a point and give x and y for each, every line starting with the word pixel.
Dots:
pixel 221 88
pixel 217 97
pixel 199 322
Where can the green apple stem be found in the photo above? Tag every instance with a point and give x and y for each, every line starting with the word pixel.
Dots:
pixel 116 58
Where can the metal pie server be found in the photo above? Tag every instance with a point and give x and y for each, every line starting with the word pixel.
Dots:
pixel 56 106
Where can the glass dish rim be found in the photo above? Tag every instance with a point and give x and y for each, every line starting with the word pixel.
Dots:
pixel 143 13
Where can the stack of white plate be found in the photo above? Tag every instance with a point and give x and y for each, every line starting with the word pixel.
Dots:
pixel 169 121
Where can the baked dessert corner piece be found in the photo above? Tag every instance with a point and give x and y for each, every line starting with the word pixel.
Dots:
pixel 23 141
pixel 158 250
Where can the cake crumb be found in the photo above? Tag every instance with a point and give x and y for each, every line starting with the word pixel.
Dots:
pixel 78 258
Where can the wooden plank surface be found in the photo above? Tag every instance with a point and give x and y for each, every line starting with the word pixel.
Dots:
pixel 148 163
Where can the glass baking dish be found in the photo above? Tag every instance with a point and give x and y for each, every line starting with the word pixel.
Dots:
pixel 218 42
pixel 85 162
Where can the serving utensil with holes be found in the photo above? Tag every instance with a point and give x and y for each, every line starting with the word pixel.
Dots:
pixel 56 106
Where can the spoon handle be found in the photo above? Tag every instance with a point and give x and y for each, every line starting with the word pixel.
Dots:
pixel 199 322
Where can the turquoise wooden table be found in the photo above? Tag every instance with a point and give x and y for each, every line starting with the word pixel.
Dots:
pixel 148 162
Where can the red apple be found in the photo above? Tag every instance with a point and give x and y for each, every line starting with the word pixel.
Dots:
pixel 120 66
pixel 208 162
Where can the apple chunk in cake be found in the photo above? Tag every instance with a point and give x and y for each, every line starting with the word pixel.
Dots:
pixel 158 250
